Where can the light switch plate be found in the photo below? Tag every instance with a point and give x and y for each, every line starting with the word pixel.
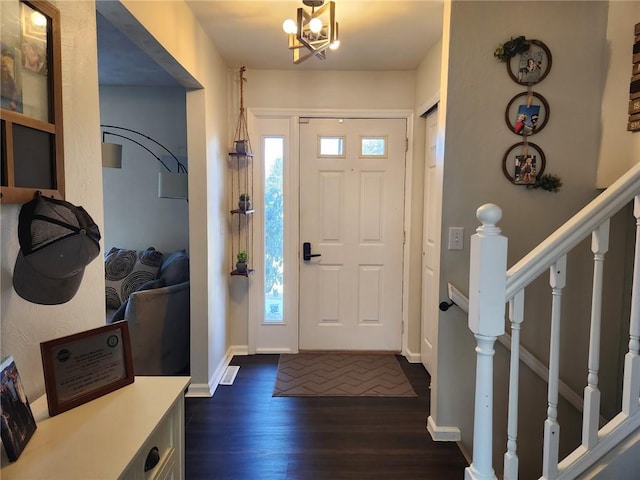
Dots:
pixel 456 238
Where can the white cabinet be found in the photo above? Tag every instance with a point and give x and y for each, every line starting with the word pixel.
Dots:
pixel 109 437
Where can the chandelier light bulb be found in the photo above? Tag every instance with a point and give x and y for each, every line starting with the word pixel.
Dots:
pixel 289 26
pixel 315 25
pixel 336 41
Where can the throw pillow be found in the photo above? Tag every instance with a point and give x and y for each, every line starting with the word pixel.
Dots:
pixel 119 314
pixel 126 270
pixel 175 268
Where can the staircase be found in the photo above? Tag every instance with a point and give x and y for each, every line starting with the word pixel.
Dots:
pixel 491 285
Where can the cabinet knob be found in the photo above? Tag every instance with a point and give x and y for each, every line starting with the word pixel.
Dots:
pixel 153 457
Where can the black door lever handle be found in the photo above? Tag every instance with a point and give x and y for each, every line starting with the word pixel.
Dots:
pixel 306 252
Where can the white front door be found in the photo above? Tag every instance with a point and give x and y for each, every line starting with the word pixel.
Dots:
pixel 351 214
pixel 431 246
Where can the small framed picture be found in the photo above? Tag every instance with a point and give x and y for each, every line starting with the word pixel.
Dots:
pixel 81 367
pixel 523 163
pixel 18 424
pixel 524 170
pixel 34 56
pixel 10 88
pixel 531 66
pixel 527 113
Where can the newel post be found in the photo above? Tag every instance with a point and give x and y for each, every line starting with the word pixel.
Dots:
pixel 487 287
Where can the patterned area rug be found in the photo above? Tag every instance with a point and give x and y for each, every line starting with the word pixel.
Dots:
pixel 340 375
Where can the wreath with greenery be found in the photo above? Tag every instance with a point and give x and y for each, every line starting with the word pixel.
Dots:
pixel 511 48
pixel 549 182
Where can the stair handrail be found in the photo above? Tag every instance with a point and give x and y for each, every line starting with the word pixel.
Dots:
pixel 576 229
pixel 488 289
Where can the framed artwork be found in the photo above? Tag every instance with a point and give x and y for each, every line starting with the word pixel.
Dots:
pixel 18 424
pixel 532 66
pixel 523 163
pixel 527 113
pixel 81 367
pixel 32 133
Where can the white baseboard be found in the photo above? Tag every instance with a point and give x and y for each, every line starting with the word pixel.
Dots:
pixel 208 389
pixel 199 390
pixel 412 357
pixel 272 351
pixel 442 434
pixel 240 350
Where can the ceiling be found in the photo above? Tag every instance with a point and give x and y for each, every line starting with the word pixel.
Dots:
pixel 375 35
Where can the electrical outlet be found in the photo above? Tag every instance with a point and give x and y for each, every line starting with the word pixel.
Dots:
pixel 456 238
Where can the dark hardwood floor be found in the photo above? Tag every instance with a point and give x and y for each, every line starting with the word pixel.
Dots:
pixel 243 433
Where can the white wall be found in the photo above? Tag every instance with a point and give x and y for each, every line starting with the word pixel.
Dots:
pixel 134 216
pixel 330 89
pixel 619 149
pixel 175 29
pixel 25 325
pixel 428 79
pixel 315 91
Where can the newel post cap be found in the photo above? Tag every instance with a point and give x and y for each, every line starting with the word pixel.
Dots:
pixel 488 274
pixel 489 215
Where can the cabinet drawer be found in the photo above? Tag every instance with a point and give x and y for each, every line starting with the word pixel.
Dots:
pixel 166 469
pixel 157 455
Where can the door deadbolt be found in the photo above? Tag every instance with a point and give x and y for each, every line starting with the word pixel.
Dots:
pixel 306 252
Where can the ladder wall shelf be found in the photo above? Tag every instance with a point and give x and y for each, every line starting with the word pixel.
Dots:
pixel 241 162
pixel 241 224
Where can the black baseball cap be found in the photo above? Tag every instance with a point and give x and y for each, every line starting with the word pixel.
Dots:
pixel 57 241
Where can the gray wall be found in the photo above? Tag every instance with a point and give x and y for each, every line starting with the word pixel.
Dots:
pixel 477 137
pixel 135 218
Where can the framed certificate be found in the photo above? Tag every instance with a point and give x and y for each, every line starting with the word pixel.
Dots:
pixel 81 367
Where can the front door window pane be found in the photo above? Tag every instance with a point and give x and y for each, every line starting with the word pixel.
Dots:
pixel 331 147
pixel 373 147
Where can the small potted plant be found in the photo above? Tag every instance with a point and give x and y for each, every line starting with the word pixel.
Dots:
pixel 241 264
pixel 245 202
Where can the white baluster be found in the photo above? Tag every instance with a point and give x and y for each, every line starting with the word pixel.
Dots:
pixel 516 314
pixel 631 388
pixel 591 415
pixel 551 426
pixel 487 280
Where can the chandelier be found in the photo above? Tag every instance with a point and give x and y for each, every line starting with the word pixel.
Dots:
pixel 313 33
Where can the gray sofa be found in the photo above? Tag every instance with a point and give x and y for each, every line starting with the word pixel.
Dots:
pixel 157 310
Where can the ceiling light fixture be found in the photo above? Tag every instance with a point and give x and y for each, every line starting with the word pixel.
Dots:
pixel 313 33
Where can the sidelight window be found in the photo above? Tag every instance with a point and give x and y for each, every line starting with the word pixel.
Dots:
pixel 273 229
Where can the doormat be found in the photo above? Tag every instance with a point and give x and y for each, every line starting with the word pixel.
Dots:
pixel 341 375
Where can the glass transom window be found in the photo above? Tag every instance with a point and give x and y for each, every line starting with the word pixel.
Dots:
pixel 332 146
pixel 373 147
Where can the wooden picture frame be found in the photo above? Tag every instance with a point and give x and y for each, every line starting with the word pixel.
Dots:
pixel 31 130
pixel 534 107
pixel 514 161
pixel 81 367
pixel 531 66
